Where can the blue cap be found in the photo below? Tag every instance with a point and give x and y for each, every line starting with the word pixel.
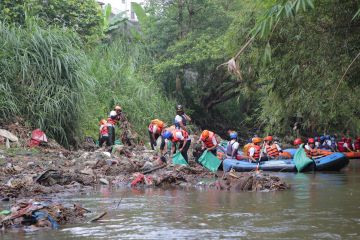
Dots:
pixel 166 134
pixel 322 138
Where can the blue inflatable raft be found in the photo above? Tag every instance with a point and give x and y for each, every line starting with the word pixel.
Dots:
pixel 333 162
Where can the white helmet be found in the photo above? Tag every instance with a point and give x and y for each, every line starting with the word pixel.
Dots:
pixel 112 114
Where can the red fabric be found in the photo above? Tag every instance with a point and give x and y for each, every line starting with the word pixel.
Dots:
pixel 38 135
pixel 137 180
pixel 112 121
pixel 34 143
pixel 184 134
pixel 340 146
pixel 151 127
pixel 104 131
pixel 357 145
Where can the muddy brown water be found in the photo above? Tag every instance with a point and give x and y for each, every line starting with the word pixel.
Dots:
pixel 319 206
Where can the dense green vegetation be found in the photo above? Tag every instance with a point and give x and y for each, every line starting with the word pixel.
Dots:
pixel 64 64
pixel 42 79
pixel 291 72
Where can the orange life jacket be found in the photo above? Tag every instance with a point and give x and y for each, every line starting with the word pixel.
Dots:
pixel 184 134
pixel 313 153
pixel 208 141
pixel 157 122
pixel 257 151
pixel 272 151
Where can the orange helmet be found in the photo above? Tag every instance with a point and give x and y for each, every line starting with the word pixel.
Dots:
pixel 268 138
pixel 256 140
pixel 102 122
pixel 205 134
pixel 311 140
pixel 297 141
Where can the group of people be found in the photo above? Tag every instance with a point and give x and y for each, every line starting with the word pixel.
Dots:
pixel 107 127
pixel 177 135
pixel 328 143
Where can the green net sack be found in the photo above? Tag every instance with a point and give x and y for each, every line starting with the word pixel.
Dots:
pixel 178 159
pixel 301 160
pixel 209 161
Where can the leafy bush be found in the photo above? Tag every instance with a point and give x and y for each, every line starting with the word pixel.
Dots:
pixel 122 77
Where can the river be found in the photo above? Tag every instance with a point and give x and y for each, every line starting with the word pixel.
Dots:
pixel 319 206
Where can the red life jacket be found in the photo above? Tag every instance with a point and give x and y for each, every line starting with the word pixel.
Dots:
pixel 112 121
pixel 158 130
pixel 357 145
pixel 104 131
pixel 184 134
pixel 340 146
pixel 257 151
pixel 272 151
pixel 208 141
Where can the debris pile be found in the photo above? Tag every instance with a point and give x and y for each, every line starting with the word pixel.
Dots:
pixel 252 181
pixel 38 214
pixel 51 169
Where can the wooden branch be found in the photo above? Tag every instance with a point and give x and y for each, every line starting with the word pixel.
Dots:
pixel 98 217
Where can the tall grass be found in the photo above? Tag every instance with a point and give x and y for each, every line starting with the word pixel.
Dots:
pixel 122 77
pixel 42 79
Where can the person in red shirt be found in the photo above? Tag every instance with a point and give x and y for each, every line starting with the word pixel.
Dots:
pixel 103 133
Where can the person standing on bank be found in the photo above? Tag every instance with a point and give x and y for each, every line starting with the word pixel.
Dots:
pixel 181 118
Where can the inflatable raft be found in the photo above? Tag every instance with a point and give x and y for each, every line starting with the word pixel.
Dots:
pixel 332 162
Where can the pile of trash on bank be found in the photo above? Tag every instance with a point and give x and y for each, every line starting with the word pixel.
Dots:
pixel 32 215
pixel 49 168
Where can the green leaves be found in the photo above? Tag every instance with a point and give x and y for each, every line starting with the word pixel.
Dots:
pixel 357 14
pixel 140 13
pixel 84 17
pixel 281 9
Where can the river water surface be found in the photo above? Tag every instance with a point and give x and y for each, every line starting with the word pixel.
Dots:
pixel 319 206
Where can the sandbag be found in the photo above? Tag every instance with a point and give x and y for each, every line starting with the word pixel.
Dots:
pixel 301 160
pixel 178 159
pixel 6 134
pixel 209 161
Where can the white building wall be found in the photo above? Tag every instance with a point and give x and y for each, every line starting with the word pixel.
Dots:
pixel 119 6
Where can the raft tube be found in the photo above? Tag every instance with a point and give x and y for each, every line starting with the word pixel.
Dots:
pixel 349 155
pixel 333 162
pixel 352 155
